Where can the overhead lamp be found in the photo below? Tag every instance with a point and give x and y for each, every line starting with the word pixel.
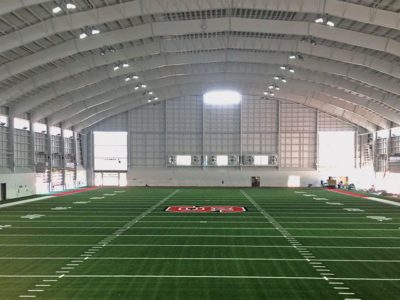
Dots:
pixel 325 20
pixel 330 23
pixel 83 35
pixel 70 6
pixel 57 10
pixel 319 20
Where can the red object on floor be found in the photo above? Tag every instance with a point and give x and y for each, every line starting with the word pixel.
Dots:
pixel 347 193
pixel 74 191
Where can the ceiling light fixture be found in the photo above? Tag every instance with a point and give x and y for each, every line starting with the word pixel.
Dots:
pixel 83 35
pixel 70 6
pixel 57 10
pixel 325 20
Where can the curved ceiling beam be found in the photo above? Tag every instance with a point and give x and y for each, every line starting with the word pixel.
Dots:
pixel 177 91
pixel 133 9
pixel 256 83
pixel 341 57
pixel 8 6
pixel 96 76
pixel 58 112
pixel 178 28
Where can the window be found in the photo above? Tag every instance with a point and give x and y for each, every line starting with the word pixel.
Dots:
pixel 3 121
pixel 21 124
pixel 336 149
pixel 55 130
pixel 110 151
pixel 68 133
pixel 222 97
pixel 222 160
pixel 183 160
pixel 40 128
pixel 261 160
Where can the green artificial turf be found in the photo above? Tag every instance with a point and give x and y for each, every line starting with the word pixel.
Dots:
pixel 287 245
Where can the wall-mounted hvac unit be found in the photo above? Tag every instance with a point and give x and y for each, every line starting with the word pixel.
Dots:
pixel 273 160
pixel 172 160
pixel 233 160
pixel 196 160
pixel 212 160
pixel 248 160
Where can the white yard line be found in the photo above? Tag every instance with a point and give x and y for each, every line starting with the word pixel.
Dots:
pixel 207 258
pixel 384 201
pixel 64 270
pixel 200 276
pixel 291 240
pixel 25 201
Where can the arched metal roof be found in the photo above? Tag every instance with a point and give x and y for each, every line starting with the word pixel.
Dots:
pixel 183 47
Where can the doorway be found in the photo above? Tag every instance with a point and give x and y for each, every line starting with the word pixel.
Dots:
pixel 255 181
pixel 3 191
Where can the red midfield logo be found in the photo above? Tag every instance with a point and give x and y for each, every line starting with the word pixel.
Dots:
pixel 206 209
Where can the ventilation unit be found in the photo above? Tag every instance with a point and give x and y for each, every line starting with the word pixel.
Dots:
pixel 233 160
pixel 248 160
pixel 196 160
pixel 212 160
pixel 172 160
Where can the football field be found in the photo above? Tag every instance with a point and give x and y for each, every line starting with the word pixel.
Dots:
pixel 186 243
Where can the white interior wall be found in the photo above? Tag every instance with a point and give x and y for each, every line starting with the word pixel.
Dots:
pixel 185 126
pixel 19 184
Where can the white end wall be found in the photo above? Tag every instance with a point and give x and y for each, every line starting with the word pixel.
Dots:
pixel 231 177
pixel 19 184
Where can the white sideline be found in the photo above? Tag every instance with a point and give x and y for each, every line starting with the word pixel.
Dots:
pixel 384 201
pixel 25 201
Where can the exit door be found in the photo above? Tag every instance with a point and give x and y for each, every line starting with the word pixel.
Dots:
pixel 255 181
pixel 3 191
